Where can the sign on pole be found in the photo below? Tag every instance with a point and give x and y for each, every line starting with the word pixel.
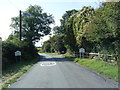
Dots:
pixel 81 51
pixel 18 53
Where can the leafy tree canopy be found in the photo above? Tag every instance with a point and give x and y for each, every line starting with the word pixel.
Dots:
pixel 35 23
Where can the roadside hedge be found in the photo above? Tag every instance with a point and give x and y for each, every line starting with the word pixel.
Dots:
pixel 28 51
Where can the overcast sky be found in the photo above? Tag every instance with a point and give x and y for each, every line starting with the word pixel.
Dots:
pixel 10 8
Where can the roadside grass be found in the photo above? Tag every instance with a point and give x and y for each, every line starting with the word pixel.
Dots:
pixel 106 69
pixel 15 71
pixel 51 53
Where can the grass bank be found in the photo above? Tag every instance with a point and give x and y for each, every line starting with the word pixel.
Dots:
pixel 15 71
pixel 51 53
pixel 106 69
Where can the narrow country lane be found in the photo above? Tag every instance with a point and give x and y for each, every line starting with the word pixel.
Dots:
pixel 52 71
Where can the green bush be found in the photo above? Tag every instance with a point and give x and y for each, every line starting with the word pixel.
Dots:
pixel 8 50
pixel 28 51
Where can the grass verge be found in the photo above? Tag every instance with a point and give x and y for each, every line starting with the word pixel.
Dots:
pixel 106 69
pixel 51 53
pixel 15 71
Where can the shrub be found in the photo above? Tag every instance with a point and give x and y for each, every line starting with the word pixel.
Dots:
pixel 29 52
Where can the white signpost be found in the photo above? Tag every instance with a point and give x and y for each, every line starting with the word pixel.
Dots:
pixel 81 51
pixel 18 55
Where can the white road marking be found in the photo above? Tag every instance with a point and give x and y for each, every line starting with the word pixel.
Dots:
pixel 47 63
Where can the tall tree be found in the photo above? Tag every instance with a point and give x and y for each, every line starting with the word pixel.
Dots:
pixel 104 29
pixel 76 28
pixel 57 30
pixel 66 17
pixel 55 44
pixel 35 24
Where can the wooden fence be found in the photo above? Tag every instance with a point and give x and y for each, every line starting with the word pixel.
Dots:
pixel 92 55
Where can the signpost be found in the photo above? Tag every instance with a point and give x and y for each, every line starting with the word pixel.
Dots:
pixel 81 51
pixel 18 55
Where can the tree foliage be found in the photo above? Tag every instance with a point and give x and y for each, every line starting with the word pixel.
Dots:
pixel 104 29
pixel 11 45
pixel 35 23
pixel 96 30
pixel 55 44
pixel 67 15
pixel 61 31
pixel 76 28
pixel 65 18
pixel 57 30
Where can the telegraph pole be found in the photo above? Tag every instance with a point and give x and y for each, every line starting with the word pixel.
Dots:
pixel 20 25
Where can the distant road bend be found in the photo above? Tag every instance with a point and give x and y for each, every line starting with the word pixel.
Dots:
pixel 52 71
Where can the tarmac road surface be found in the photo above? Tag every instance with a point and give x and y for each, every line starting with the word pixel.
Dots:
pixel 52 71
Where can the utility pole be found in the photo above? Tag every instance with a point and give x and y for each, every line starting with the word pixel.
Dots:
pixel 20 25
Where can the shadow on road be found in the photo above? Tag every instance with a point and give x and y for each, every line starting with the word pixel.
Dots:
pixel 56 58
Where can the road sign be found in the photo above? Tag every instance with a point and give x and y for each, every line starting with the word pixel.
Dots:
pixel 18 53
pixel 82 50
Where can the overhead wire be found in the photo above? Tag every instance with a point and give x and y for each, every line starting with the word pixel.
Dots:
pixel 13 5
pixel 16 6
pixel 29 3
pixel 10 2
